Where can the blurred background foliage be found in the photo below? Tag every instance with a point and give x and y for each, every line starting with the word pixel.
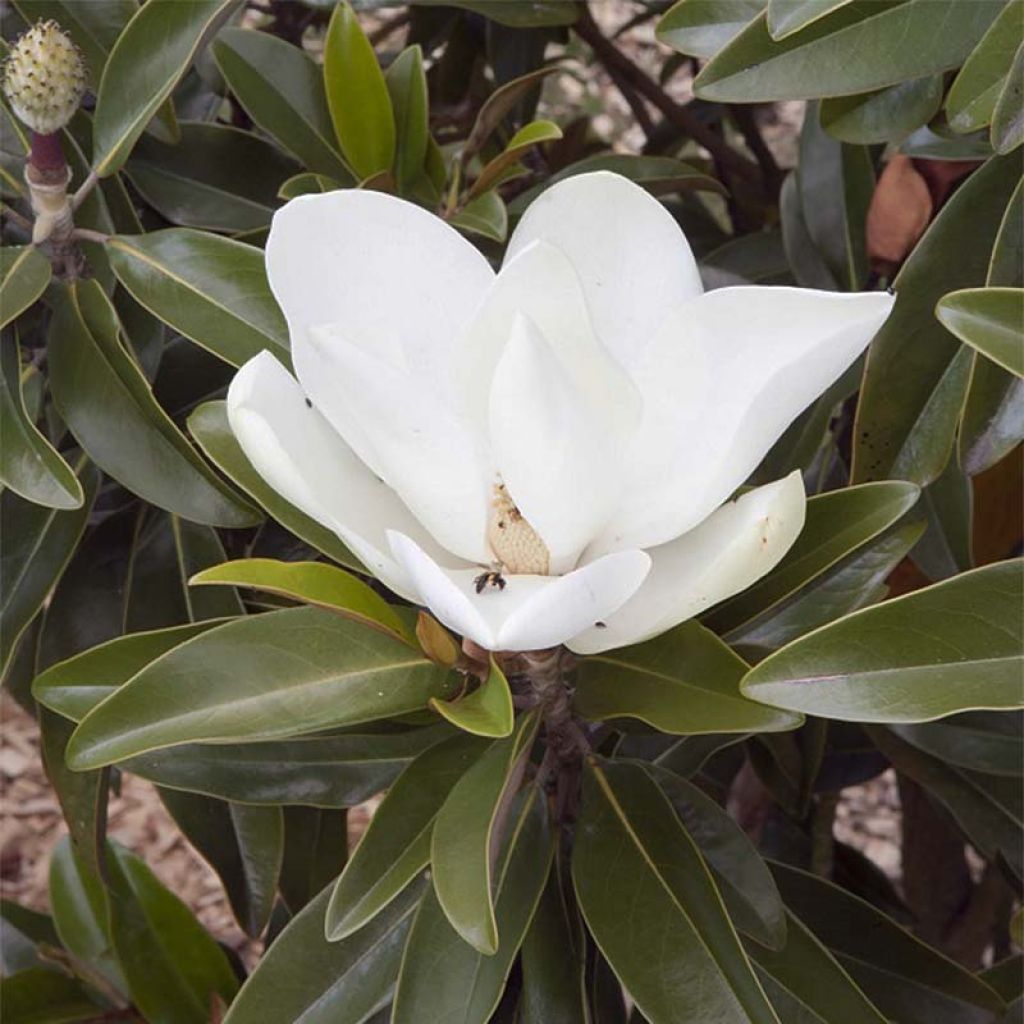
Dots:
pixel 836 144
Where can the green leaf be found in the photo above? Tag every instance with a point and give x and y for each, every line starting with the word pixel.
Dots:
pixel 682 682
pixel 313 583
pixel 951 647
pixel 24 274
pixel 914 384
pixel 148 60
pixel 906 979
pixel 36 543
pixel 498 106
pixel 886 115
pixel 945 548
pixel 700 28
pixel 331 672
pixel 487 711
pixel 858 47
pixel 306 184
pixel 172 964
pixel 209 426
pixel 516 13
pixel 486 215
pixel 281 88
pixel 837 523
pixel 971 100
pixel 243 844
pixel 407 86
pixel 496 171
pixel 395 847
pixel 746 886
pixel 990 320
pixel 304 978
pixel 73 687
pixel 443 978
pixel 21 932
pixel 42 996
pixel 788 16
pixel 216 177
pixel 980 741
pixel 1007 131
pixel 102 395
pixel 650 904
pixel 357 96
pixel 807 264
pixel 29 465
pixel 467 834
pixel 213 290
pixel 315 850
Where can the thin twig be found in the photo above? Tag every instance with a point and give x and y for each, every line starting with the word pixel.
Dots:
pixel 91 181
pixel 16 218
pixel 379 34
pixel 744 118
pixel 88 235
pixel 625 70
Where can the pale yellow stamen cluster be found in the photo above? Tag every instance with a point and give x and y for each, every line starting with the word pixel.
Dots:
pixel 515 543
pixel 44 78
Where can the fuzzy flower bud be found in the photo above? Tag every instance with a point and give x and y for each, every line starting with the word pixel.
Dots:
pixel 44 78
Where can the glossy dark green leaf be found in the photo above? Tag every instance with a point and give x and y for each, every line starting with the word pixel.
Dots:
pixel 306 184
pixel 684 681
pixel 468 831
pixel 215 177
pixel 700 28
pixel 105 400
pixel 407 86
pixel 36 544
pixel 757 258
pixel 951 647
pixel 1007 131
pixel 487 711
pixel 947 503
pixel 24 274
pixel 281 88
pixel 315 851
pixel 887 115
pixel 990 320
pixel 972 97
pixel 230 682
pixel 788 16
pixel 838 522
pixel 41 996
pixel 213 290
pixel 914 383
pixel 805 261
pixel 989 742
pixel 746 886
pixel 313 583
pixel 149 58
pixel 29 465
pixel 243 844
pixel 396 845
pixel 906 979
pixel 304 979
pixel 858 47
pixel 209 426
pixel 443 978
pixel 651 905
pixel 21 931
pixel 486 215
pixel 173 966
pixel 357 96
pixel 516 13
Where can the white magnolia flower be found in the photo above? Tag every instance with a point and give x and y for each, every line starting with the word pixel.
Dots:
pixel 576 422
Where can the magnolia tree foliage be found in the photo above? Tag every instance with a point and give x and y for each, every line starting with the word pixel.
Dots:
pixel 370 427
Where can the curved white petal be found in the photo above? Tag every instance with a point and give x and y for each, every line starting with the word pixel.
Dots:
pixel 725 376
pixel 630 254
pixel 541 283
pixel 414 442
pixel 735 546
pixel 560 463
pixel 395 278
pixel 530 612
pixel 297 453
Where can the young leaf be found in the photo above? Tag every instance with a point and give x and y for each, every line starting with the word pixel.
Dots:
pixel 407 87
pixel 487 711
pixel 24 274
pixel 990 320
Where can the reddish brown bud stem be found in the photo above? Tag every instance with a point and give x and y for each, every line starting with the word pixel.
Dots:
pixel 47 157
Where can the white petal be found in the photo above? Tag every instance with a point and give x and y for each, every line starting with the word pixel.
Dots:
pixel 540 282
pixel 297 453
pixel 633 259
pixel 530 612
pixel 734 547
pixel 415 443
pixel 560 464
pixel 720 383
pixel 395 277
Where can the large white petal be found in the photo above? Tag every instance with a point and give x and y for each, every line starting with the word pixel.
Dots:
pixel 631 256
pixel 395 277
pixel 541 283
pixel 735 546
pixel 297 453
pixel 415 443
pixel 722 380
pixel 559 461
pixel 530 612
